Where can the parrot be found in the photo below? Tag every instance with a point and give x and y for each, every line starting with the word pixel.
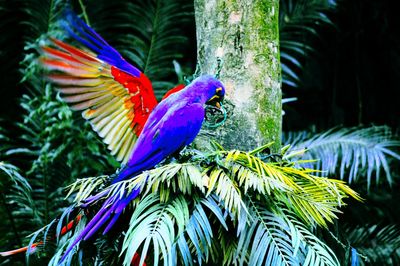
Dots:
pixel 118 101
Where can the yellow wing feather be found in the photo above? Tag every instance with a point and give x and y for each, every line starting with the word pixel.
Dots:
pixel 88 84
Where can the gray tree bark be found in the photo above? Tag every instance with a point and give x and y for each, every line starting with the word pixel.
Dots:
pixel 243 36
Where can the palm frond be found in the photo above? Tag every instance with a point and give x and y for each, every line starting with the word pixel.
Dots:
pixel 224 247
pixel 84 187
pixel 350 152
pixel 299 21
pixel 184 207
pixel 197 236
pixel 378 243
pixel 16 205
pixel 266 240
pixel 49 237
pixel 157 223
pixel 313 250
pixel 314 199
pixel 227 189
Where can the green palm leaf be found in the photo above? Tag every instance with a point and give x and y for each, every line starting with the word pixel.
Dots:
pixel 185 207
pixel 17 206
pixel 350 152
pixel 266 240
pixel 197 236
pixel 314 199
pixel 299 22
pixel 154 223
pixel 313 250
pixel 378 243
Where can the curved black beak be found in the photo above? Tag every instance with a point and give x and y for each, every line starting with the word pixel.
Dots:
pixel 217 98
pixel 215 101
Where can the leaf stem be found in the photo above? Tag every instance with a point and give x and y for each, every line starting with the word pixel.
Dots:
pixel 153 37
pixel 85 16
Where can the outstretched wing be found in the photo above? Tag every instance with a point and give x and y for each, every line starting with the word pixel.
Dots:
pixel 113 95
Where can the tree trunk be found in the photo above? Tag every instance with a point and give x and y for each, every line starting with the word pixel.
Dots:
pixel 243 36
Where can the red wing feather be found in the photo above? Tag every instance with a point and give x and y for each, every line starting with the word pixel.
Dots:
pixel 116 103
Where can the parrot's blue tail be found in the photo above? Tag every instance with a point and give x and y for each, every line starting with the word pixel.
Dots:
pixel 138 167
pixel 114 205
pixel 108 214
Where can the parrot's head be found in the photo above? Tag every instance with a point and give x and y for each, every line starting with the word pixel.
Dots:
pixel 218 97
pixel 210 90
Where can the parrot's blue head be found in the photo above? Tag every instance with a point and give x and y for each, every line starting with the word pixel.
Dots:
pixel 210 90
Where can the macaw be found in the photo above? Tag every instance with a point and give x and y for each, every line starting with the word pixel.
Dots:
pixel 118 101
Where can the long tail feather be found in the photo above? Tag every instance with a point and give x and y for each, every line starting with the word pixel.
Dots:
pixel 135 260
pixel 20 250
pixel 33 247
pixel 108 214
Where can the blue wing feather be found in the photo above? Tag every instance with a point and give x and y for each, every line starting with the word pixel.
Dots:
pixel 177 128
pixel 81 32
pixel 169 128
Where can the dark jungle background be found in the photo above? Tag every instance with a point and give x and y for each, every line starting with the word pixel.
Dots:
pixel 340 70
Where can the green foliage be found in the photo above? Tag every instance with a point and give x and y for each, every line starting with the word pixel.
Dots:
pixel 219 207
pixel 359 155
pixel 53 146
pixel 52 136
pixel 384 250
pixel 315 251
pixel 187 207
pixel 155 223
pixel 267 232
pixel 299 21
pixel 350 153
pixel 17 206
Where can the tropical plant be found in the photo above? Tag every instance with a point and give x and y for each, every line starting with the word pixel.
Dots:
pixel 188 207
pixel 367 157
pixel 360 155
pixel 350 153
pixel 384 250
pixel 299 25
pixel 17 206
pixel 52 147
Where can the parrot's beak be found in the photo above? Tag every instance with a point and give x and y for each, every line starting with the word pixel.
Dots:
pixel 215 101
